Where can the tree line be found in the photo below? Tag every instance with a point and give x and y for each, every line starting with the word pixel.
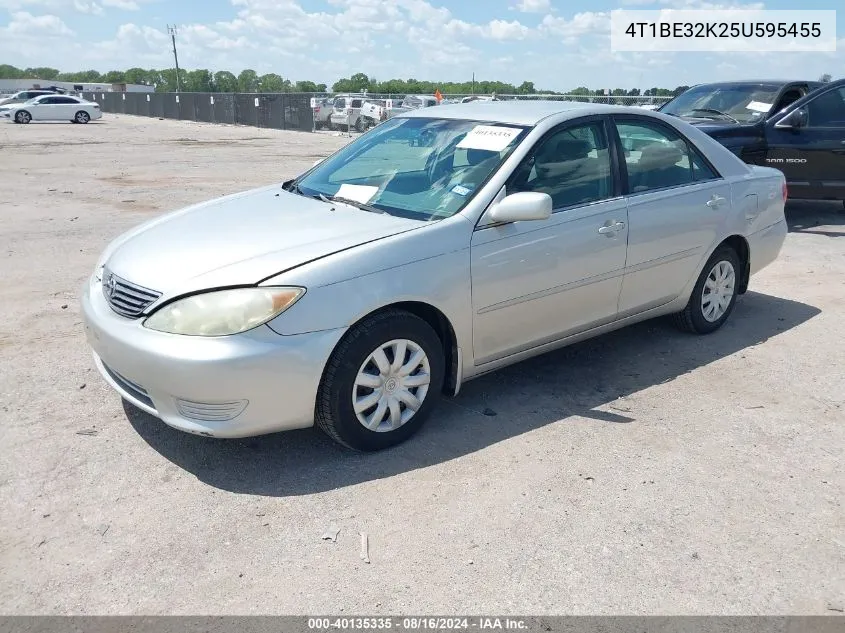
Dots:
pixel 203 80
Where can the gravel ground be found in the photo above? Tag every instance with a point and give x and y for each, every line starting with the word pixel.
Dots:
pixel 644 472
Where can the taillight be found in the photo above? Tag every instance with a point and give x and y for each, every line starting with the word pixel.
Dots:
pixel 785 191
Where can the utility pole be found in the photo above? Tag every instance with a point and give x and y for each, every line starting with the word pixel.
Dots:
pixel 473 83
pixel 172 31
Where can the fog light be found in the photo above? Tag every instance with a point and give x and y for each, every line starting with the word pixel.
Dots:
pixel 211 411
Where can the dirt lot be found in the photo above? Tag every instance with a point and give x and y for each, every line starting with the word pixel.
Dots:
pixel 643 472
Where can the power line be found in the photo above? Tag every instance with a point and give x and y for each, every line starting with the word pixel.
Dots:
pixel 172 30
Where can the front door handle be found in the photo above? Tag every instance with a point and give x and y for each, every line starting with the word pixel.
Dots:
pixel 611 229
pixel 715 202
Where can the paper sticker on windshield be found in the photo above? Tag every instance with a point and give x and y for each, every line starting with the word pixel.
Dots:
pixel 357 193
pixel 489 137
pixel 759 106
pixel 460 190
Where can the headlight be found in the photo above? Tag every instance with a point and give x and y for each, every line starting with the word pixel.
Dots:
pixel 223 312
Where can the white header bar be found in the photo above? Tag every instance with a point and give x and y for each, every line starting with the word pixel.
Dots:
pixel 723 30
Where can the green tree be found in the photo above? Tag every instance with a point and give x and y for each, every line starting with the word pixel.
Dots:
pixel 526 88
pixel 271 82
pixel 197 81
pixel 825 78
pixel 114 77
pixel 49 74
pixel 679 90
pixel 85 76
pixel 224 81
pixel 10 72
pixel 248 81
pixel 139 76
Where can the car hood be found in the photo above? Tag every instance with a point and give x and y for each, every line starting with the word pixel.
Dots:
pixel 242 239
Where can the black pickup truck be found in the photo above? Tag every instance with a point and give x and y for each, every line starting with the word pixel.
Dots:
pixel 795 126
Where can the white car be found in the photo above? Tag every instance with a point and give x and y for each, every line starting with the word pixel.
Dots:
pixel 52 108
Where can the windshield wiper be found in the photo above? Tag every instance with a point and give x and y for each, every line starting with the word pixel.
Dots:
pixel 717 112
pixel 293 187
pixel 352 203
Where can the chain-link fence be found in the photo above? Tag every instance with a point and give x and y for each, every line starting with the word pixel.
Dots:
pixel 289 111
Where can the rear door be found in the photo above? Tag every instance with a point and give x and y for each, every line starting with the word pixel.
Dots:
pixel 66 108
pixel 676 204
pixel 812 156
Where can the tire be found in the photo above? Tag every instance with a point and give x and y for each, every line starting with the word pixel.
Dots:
pixel 82 117
pixel 360 124
pixel 700 316
pixel 23 117
pixel 352 360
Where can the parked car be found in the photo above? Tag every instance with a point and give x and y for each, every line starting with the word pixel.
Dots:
pixel 797 128
pixel 53 108
pixel 23 96
pixel 346 113
pixel 323 108
pixel 412 102
pixel 374 111
pixel 387 275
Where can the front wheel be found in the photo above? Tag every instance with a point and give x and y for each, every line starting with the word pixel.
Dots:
pixel 23 117
pixel 714 295
pixel 381 382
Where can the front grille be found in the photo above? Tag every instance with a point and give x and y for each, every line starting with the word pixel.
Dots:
pixel 126 298
pixel 132 389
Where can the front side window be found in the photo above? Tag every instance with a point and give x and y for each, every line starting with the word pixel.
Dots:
pixel 572 165
pixel 657 158
pixel 419 168
pixel 827 110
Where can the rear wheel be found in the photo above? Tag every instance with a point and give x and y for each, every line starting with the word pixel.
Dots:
pixel 381 382
pixel 714 295
pixel 360 124
pixel 23 116
pixel 82 117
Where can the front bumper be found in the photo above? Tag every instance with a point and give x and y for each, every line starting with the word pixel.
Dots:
pixel 242 385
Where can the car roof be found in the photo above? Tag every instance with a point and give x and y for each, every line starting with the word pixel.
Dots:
pixel 520 112
pixel 742 82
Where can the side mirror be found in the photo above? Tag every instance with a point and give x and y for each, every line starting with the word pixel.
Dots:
pixel 522 206
pixel 794 120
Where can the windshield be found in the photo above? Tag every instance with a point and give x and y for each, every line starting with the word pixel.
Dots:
pixel 419 168
pixel 743 103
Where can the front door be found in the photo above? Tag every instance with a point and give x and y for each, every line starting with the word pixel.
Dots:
pixel 812 157
pixel 534 282
pixel 676 204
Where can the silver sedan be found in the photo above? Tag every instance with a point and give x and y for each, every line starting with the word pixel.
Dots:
pixel 442 245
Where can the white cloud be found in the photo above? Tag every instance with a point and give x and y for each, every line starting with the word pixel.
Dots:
pixel 126 5
pixel 534 6
pixel 581 24
pixel 25 24
pixel 87 7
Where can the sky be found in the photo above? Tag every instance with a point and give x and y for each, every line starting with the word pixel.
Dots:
pixel 557 44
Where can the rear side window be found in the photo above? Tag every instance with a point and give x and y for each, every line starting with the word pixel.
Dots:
pixel 356 103
pixel 657 158
pixel 65 100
